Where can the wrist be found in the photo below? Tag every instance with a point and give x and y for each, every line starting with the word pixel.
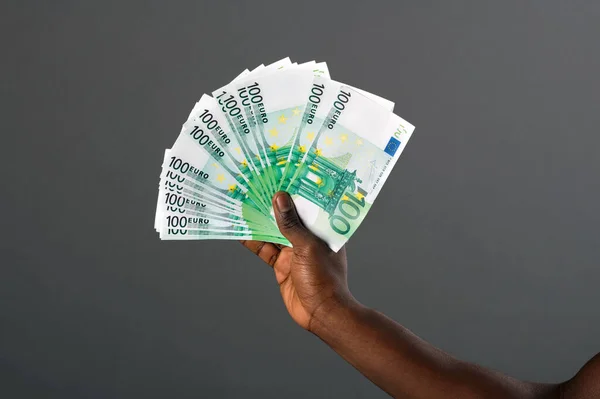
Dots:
pixel 333 314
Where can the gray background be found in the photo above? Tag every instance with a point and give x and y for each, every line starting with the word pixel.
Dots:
pixel 484 240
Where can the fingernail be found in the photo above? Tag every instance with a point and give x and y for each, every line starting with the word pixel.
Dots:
pixel 284 202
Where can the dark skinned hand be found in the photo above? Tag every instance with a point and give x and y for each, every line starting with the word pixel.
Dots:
pixel 311 276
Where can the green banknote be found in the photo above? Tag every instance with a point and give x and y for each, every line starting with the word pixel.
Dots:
pixel 347 163
pixel 319 100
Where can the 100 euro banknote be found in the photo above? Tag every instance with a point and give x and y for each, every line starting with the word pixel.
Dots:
pixel 347 163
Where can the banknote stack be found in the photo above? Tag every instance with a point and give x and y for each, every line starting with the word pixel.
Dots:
pixel 280 127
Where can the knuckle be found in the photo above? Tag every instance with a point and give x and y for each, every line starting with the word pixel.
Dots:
pixel 273 259
pixel 259 249
pixel 289 222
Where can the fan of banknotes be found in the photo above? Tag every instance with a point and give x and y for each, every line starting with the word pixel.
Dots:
pixel 281 127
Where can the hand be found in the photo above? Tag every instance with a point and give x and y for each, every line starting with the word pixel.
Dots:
pixel 311 277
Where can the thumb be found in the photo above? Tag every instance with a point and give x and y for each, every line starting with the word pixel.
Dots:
pixel 288 221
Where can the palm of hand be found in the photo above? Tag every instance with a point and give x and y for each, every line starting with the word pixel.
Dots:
pixel 304 285
pixel 288 273
pixel 290 277
pixel 310 274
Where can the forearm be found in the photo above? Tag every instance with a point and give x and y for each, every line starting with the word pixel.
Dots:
pixel 406 366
